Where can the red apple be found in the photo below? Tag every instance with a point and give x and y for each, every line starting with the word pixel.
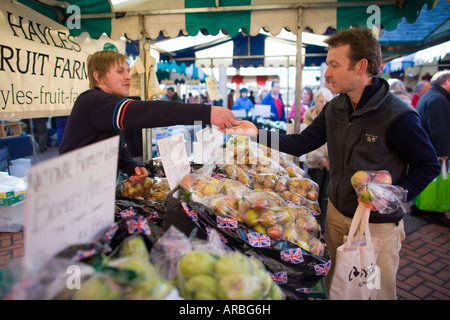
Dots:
pixel 275 232
pixel 382 177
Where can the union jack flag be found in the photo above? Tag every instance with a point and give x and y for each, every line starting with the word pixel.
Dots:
pixel 322 269
pixel 303 290
pixel 84 254
pixel 218 176
pixel 279 277
pixel 313 212
pixel 153 214
pixel 111 231
pixel 223 222
pixel 292 256
pixel 138 225
pixel 190 212
pixel 128 213
pixel 258 240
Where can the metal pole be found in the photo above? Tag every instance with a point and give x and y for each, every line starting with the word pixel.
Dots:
pixel 298 76
pixel 146 133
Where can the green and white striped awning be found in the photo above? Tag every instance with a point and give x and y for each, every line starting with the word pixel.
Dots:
pixel 189 17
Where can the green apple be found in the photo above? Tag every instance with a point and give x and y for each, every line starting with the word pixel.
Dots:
pixel 275 292
pixel 196 262
pixel 201 287
pixel 233 262
pixel 98 287
pixel 134 246
pixel 239 286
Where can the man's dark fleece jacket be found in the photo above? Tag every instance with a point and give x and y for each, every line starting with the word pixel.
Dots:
pixel 382 133
pixel 97 115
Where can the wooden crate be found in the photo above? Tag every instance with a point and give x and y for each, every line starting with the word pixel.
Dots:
pixel 10 127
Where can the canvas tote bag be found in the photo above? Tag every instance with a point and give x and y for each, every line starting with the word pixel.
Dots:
pixel 356 275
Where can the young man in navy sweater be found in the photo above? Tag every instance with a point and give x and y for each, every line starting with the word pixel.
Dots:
pixel 366 128
pixel 100 112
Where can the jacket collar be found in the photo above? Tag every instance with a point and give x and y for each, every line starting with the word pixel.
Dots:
pixel 373 96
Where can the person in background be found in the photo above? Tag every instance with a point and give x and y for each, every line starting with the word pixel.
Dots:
pixel 404 95
pixel 306 102
pixel 368 128
pixel 105 109
pixel 275 101
pixel 317 161
pixel 231 99
pixel 171 95
pixel 434 110
pixel 190 98
pixel 252 97
pixel 397 85
pixel 244 103
pixel 41 133
pixel 419 90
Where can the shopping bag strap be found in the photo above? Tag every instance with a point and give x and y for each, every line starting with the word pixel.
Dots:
pixel 444 169
pixel 360 221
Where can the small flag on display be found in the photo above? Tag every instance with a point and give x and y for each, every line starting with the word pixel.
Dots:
pixel 322 269
pixel 111 231
pixel 138 225
pixel 190 212
pixel 223 222
pixel 128 213
pixel 258 240
pixel 292 256
pixel 279 277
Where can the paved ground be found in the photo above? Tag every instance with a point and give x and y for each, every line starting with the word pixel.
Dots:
pixel 424 272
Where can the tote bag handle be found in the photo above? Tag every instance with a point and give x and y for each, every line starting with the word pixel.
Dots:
pixel 360 221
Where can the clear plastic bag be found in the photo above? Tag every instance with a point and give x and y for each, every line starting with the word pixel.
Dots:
pixel 375 190
pixel 205 270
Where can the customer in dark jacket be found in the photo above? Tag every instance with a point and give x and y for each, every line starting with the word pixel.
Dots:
pixel 366 128
pixel 434 109
pixel 102 111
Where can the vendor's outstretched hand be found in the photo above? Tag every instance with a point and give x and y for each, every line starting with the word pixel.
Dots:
pixel 242 128
pixel 222 117
pixel 140 174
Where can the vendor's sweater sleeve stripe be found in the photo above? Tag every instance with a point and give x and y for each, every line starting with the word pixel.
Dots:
pixel 123 112
pixel 118 113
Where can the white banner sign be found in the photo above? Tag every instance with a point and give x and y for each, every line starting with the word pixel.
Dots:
pixel 70 200
pixel 42 67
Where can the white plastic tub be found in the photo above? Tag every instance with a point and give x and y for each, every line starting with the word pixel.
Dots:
pixel 19 167
pixel 12 217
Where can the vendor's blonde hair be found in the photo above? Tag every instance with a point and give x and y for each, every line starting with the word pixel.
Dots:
pixel 101 62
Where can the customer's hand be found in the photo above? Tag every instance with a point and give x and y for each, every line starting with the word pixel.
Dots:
pixel 141 174
pixel 222 117
pixel 242 128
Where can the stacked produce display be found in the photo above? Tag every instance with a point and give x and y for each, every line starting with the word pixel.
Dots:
pixel 263 207
pixel 263 238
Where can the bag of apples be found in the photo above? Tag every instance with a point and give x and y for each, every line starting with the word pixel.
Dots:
pixel 375 190
pixel 285 237
pixel 206 270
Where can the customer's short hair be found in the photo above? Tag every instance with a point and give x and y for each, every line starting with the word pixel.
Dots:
pixel 101 62
pixel 363 45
